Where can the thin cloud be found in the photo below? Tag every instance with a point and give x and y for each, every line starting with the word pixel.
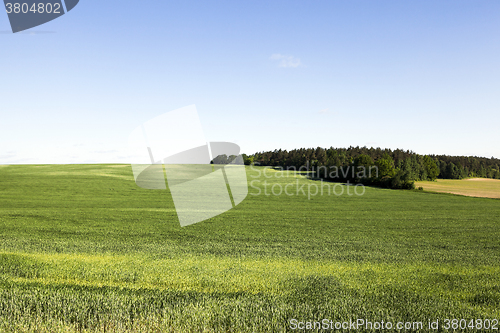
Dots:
pixel 323 111
pixel 106 151
pixel 286 60
pixel 8 154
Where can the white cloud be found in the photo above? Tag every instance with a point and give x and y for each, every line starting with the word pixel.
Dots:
pixel 323 111
pixel 67 154
pixel 8 154
pixel 286 60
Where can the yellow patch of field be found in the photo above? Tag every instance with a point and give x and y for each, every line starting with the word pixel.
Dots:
pixel 91 173
pixel 472 187
pixel 212 274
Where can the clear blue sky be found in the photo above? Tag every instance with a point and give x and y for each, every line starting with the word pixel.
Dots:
pixel 418 75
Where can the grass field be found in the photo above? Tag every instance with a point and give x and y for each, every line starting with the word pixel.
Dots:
pixel 83 249
pixel 474 187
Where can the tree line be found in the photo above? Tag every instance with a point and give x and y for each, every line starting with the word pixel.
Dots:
pixel 376 166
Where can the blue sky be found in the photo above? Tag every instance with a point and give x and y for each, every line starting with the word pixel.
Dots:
pixel 423 76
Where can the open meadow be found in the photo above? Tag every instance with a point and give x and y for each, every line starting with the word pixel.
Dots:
pixel 83 249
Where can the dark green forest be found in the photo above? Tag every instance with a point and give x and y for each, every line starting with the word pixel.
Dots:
pixel 376 166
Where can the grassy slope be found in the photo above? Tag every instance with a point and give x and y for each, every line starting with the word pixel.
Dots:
pixel 81 247
pixel 474 187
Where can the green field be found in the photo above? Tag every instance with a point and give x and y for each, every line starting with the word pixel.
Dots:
pixel 83 249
